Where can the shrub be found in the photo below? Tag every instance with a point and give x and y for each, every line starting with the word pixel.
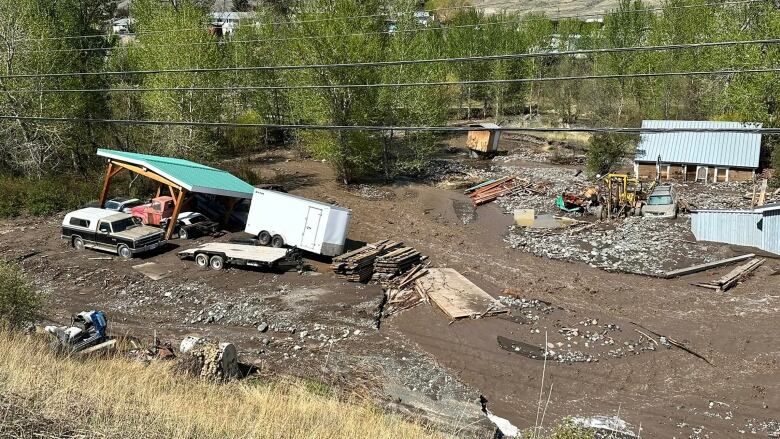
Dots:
pixel 18 299
pixel 43 197
pixel 605 152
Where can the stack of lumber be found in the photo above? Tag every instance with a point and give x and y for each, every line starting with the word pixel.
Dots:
pixel 733 277
pixel 397 261
pixel 490 190
pixel 358 265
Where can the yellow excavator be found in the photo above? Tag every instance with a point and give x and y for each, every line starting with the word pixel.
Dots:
pixel 621 195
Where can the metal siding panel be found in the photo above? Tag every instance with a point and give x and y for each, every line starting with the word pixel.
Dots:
pixel 771 233
pixel 738 150
pixel 738 228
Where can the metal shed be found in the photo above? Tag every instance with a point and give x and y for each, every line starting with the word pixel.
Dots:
pixel 484 141
pixel 708 156
pixel 759 228
pixel 180 176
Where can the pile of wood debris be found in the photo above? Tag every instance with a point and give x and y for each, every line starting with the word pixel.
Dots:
pixel 489 190
pixel 387 258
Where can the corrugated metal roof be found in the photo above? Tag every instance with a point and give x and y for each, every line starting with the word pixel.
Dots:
pixel 736 150
pixel 192 176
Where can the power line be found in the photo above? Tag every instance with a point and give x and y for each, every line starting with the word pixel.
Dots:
pixel 398 84
pixel 402 62
pixel 388 32
pixel 748 128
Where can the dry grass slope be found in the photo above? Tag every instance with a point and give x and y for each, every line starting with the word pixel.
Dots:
pixel 120 398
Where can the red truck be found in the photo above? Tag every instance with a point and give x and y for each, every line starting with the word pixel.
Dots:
pixel 155 212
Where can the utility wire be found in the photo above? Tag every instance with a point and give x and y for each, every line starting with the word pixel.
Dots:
pixel 402 62
pixel 388 32
pixel 747 128
pixel 396 84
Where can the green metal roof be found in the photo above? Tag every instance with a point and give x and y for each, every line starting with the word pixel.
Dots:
pixel 192 176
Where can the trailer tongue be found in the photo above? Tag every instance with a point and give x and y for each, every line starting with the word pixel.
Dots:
pixel 217 254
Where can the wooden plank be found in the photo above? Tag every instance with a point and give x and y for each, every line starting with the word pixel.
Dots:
pixel 706 266
pixel 457 296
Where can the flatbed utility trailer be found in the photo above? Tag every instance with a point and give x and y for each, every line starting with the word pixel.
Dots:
pixel 217 254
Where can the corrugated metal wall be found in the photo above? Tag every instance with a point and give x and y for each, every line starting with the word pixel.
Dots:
pixel 739 228
pixel 771 226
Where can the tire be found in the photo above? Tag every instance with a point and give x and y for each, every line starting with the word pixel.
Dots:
pixel 183 234
pixel 264 238
pixel 124 251
pixel 202 260
pixel 217 262
pixel 77 243
pixel 277 241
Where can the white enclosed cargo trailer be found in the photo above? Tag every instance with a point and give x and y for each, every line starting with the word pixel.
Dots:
pixel 280 219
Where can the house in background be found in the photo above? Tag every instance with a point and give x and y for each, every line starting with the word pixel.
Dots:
pixel 698 156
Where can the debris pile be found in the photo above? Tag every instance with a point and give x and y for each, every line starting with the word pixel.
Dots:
pixel 358 265
pixel 489 190
pixel 730 279
pixel 404 294
pixel 636 245
pixel 210 360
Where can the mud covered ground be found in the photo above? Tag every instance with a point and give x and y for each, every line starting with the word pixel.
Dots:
pixel 320 327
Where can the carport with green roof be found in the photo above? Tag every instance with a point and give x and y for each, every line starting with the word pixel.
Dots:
pixel 179 175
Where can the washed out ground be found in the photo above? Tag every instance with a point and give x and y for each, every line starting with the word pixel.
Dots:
pixel 583 307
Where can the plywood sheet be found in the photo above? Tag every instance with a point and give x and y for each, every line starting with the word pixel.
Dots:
pixel 457 296
pixel 153 270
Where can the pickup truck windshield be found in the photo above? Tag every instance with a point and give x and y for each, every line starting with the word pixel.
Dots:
pixel 659 199
pixel 123 224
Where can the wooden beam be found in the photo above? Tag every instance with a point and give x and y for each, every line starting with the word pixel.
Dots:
pixel 177 203
pixel 148 174
pixel 106 184
pixel 159 190
pixel 707 266
pixel 170 189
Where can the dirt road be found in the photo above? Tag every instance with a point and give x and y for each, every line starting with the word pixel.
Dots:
pixel 322 328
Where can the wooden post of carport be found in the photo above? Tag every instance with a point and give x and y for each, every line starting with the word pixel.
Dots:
pixel 177 203
pixel 111 171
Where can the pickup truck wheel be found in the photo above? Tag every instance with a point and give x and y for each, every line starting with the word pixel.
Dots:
pixel 183 234
pixel 202 260
pixel 277 241
pixel 78 243
pixel 264 238
pixel 124 251
pixel 217 262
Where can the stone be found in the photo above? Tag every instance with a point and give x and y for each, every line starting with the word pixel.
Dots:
pixel 262 327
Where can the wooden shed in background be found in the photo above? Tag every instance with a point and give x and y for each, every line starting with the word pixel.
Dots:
pixel 484 142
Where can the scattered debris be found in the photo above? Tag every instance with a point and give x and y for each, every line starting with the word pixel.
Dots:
pixel 606 426
pixel 706 266
pixel 732 277
pixel 667 341
pixel 210 360
pixel 502 425
pixel 457 296
pixel 490 190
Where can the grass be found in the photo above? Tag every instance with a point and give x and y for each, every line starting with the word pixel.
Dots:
pixel 119 397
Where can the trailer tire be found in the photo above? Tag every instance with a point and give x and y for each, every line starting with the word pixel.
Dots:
pixel 202 260
pixel 217 262
pixel 77 243
pixel 264 238
pixel 124 251
pixel 277 241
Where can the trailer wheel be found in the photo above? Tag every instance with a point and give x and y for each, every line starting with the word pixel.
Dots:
pixel 202 260
pixel 124 251
pixel 264 238
pixel 78 243
pixel 217 262
pixel 277 241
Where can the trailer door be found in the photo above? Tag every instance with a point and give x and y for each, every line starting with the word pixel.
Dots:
pixel 309 239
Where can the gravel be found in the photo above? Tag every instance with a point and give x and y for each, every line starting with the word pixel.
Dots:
pixel 635 245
